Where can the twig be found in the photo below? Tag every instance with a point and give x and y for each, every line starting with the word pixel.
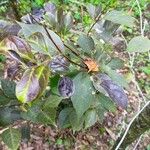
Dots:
pixel 137 143
pixel 98 18
pixel 128 127
pixel 50 37
pixel 141 19
pixel 74 52
pixel 133 72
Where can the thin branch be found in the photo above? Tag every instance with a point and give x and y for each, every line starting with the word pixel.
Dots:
pixel 74 52
pixel 96 20
pixel 137 143
pixel 131 61
pixel 98 17
pixel 128 127
pixel 141 19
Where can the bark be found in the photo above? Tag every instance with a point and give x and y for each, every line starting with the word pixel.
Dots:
pixel 140 125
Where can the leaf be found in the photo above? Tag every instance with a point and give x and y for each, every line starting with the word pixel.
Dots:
pixel 139 44
pixel 12 138
pixel 86 43
pixel 3 99
pixel 42 73
pixel 52 101
pixel 29 29
pixel 68 21
pixel 59 64
pixel 105 29
pixel 19 45
pixel 94 11
pixel 38 113
pixel 8 28
pixel 105 103
pixel 82 97
pixel 120 17
pixel 116 77
pixel 66 87
pixel 90 118
pixel 28 88
pixel 50 18
pixel 115 92
pixel 9 115
pixel 8 87
pixel 116 63
pixel 38 43
pixel 63 118
pixel 32 112
pixel 76 123
pixel 47 116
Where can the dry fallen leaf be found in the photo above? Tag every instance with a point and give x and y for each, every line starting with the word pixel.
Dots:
pixel 91 64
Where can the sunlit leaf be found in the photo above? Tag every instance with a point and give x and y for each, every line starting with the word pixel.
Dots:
pixel 42 73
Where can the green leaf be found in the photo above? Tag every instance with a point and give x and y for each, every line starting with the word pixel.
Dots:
pixel 52 101
pixel 90 118
pixel 9 115
pixel 120 17
pixel 86 43
pixel 32 112
pixel 105 102
pixel 76 124
pixel 12 138
pixel 116 63
pixel 139 44
pixel 3 99
pixel 39 114
pixel 27 89
pixel 38 43
pixel 47 116
pixel 8 88
pixel 63 119
pixel 116 77
pixel 82 97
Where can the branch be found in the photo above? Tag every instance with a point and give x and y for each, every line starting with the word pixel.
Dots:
pixel 59 50
pixel 142 115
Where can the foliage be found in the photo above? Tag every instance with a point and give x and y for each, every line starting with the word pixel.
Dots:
pixel 70 83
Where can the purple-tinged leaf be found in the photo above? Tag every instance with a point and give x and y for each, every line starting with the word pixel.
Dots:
pixel 27 89
pixel 59 64
pixel 66 87
pixel 115 92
